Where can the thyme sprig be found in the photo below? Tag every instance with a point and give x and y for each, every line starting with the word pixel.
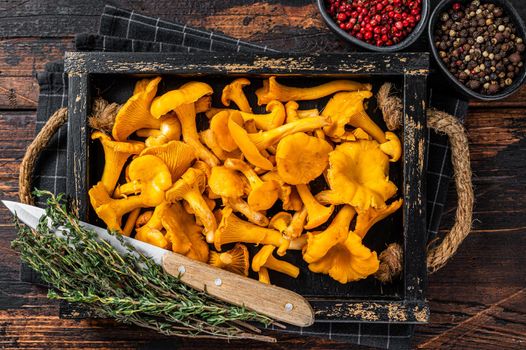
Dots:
pixel 130 288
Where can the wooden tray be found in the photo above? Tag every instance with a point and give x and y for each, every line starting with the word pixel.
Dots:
pixel 113 75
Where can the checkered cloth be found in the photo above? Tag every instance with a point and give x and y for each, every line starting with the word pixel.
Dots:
pixel 123 30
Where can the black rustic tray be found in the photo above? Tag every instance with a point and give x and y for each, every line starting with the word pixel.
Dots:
pixel 113 75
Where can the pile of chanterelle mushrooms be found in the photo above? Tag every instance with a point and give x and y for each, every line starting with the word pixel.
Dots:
pixel 185 188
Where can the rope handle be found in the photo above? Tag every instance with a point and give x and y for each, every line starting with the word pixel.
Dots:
pixel 35 148
pixel 442 123
pixel 391 106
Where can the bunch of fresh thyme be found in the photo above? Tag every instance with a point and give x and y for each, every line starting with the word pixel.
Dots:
pixel 129 288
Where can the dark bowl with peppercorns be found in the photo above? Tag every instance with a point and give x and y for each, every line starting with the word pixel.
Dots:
pixel 479 46
pixel 376 25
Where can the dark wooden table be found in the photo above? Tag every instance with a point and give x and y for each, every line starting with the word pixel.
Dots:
pixel 478 301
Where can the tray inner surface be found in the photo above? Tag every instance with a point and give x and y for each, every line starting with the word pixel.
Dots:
pixel 118 88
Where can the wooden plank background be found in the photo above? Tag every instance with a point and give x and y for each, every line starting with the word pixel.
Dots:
pixel 478 301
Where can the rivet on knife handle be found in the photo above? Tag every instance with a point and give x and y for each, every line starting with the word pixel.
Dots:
pixel 278 303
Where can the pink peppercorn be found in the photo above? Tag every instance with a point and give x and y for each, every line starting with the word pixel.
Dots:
pixel 377 22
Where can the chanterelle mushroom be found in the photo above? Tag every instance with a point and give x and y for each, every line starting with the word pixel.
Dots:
pixel 263 194
pixel 319 243
pixel 247 147
pixel 182 101
pixel 184 224
pixel 135 113
pixel 317 214
pixel 264 258
pixel 219 126
pixel 253 144
pixel 286 193
pixel 348 261
pixel 366 219
pixel 115 156
pixel 280 221
pixel 189 187
pixel 234 92
pixel 232 229
pixel 272 90
pixel 346 108
pixel 151 231
pixel 301 167
pixel 265 139
pixel 234 260
pixel 178 156
pixel 392 147
pixel 272 120
pixel 152 178
pixel 293 113
pixel 358 175
pixel 188 93
pixel 169 129
pixel 228 184
pixel 295 228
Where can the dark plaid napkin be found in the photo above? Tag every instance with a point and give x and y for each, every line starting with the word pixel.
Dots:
pixel 123 30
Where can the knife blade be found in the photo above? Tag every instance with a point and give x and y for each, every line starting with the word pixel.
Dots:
pixel 278 303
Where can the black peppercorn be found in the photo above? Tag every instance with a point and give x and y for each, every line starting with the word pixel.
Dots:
pixel 480 46
pixel 515 58
pixel 473 84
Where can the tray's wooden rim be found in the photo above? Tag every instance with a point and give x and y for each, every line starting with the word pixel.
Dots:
pixel 414 67
pixel 78 63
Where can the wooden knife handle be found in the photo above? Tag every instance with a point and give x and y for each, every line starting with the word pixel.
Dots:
pixel 278 303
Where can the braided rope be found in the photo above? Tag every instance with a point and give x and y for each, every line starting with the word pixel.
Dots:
pixel 444 123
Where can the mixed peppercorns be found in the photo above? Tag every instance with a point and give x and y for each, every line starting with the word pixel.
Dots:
pixel 480 46
pixel 377 22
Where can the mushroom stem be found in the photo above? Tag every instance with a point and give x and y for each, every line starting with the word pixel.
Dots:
pixel 272 90
pixel 233 229
pixel 247 147
pixel 263 275
pixel 143 218
pixel 245 169
pixel 295 228
pixel 264 258
pixel 130 222
pixel 282 266
pixel 115 156
pixel 317 214
pixel 111 213
pixel 266 139
pixel 239 205
pixel 186 115
pixel 363 121
pixel 273 119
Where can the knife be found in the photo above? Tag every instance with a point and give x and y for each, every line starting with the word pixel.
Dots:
pixel 277 303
